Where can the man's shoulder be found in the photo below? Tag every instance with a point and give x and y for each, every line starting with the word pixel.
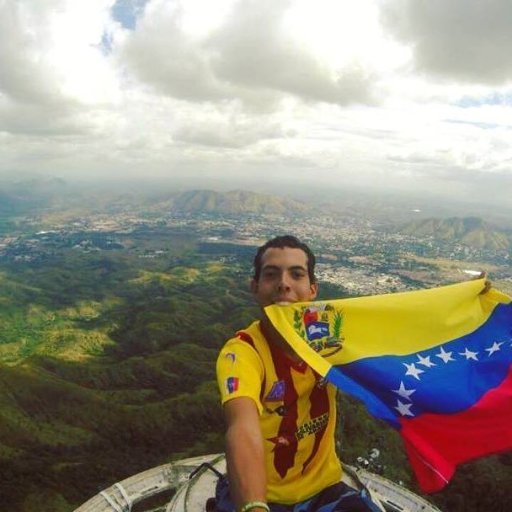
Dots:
pixel 251 334
pixel 242 354
pixel 249 341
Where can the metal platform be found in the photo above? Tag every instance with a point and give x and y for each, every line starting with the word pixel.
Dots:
pixel 195 483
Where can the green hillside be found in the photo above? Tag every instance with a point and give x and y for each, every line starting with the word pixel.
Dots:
pixel 235 202
pixel 107 369
pixel 471 231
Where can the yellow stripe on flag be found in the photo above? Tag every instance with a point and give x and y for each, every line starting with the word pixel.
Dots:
pixel 398 324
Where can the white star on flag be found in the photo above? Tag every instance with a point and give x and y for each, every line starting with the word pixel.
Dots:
pixel 403 409
pixel 403 392
pixel 412 370
pixel 445 356
pixel 468 354
pixel 494 348
pixel 425 361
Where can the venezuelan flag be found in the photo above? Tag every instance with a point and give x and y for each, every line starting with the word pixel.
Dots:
pixel 435 364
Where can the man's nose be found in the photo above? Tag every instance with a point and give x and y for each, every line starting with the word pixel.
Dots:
pixel 284 281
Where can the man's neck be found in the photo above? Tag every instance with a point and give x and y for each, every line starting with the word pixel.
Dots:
pixel 273 336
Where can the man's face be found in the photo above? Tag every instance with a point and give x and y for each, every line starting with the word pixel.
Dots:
pixel 283 277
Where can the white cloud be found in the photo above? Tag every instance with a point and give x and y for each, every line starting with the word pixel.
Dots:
pixel 227 133
pixel 459 39
pixel 254 50
pixel 369 91
pixel 248 56
pixel 23 67
pixel 51 65
pixel 161 54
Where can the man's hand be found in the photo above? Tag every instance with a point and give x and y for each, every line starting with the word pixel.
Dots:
pixel 488 283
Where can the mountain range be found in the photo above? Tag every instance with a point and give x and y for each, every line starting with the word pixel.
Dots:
pixel 470 231
pixel 24 196
pixel 235 202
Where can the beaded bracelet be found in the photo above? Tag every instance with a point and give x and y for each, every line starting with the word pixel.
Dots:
pixel 254 504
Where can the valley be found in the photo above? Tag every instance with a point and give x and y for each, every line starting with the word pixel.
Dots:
pixel 112 317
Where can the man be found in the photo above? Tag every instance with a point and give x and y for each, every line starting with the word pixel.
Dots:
pixel 280 415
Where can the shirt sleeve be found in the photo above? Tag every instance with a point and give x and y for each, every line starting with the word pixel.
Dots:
pixel 240 372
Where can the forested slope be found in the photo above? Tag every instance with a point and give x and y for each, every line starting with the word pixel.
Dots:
pixel 108 369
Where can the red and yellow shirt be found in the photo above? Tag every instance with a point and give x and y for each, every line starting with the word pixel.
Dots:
pixel 297 414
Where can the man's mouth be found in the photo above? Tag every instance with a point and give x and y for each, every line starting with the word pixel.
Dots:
pixel 283 300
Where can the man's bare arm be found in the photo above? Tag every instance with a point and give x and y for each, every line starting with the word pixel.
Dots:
pixel 244 452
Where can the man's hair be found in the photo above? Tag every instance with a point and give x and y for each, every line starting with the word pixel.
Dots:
pixel 281 242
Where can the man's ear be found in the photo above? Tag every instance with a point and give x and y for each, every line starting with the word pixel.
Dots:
pixel 314 290
pixel 253 285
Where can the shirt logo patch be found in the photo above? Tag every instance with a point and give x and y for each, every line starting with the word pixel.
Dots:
pixel 312 427
pixel 276 393
pixel 231 356
pixel 231 384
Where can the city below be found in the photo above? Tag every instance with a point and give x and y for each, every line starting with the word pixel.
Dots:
pixel 356 254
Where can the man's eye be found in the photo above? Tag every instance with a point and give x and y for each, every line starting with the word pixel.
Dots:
pixel 298 275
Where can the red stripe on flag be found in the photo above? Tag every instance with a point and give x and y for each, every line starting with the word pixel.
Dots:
pixel 436 443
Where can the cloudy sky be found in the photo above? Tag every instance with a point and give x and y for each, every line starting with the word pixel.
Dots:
pixel 400 93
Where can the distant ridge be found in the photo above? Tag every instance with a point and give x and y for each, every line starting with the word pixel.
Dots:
pixel 24 195
pixel 235 202
pixel 471 231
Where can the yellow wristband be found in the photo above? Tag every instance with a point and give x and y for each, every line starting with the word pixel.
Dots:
pixel 254 504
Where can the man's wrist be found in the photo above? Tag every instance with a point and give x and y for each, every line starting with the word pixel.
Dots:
pixel 252 506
